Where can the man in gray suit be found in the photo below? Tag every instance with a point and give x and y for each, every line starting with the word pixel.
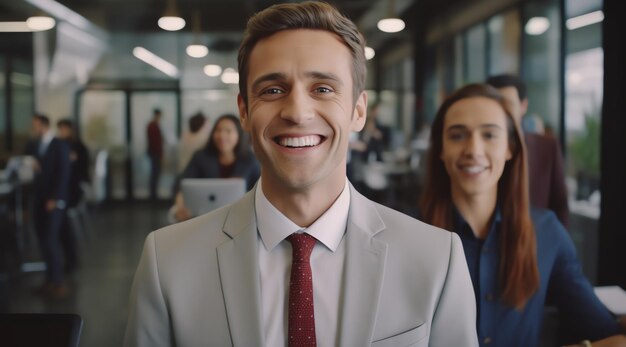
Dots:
pixel 375 276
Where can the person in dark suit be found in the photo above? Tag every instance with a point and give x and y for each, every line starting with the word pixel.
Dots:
pixel 545 160
pixel 226 154
pixel 155 151
pixel 79 159
pixel 51 185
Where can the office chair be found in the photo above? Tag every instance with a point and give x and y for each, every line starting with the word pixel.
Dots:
pixel 40 329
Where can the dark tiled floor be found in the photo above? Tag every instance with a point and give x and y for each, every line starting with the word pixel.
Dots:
pixel 99 288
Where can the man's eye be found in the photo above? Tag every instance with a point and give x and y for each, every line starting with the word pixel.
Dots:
pixel 272 91
pixel 323 90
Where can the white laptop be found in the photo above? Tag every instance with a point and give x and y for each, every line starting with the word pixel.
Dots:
pixel 202 195
pixel 22 165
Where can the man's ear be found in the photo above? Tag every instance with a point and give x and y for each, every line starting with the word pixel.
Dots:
pixel 243 113
pixel 360 112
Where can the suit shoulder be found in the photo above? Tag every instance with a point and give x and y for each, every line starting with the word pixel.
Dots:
pixel 411 229
pixel 206 227
pixel 547 226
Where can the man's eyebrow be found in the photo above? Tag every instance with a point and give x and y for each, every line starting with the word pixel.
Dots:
pixel 324 76
pixel 274 76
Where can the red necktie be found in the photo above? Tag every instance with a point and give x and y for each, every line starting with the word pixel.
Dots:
pixel 301 318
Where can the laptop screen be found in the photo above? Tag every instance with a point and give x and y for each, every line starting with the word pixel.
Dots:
pixel 202 195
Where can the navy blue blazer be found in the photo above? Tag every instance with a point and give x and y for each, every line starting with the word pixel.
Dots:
pixel 52 180
pixel 206 165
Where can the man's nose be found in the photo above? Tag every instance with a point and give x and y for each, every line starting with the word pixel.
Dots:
pixel 298 107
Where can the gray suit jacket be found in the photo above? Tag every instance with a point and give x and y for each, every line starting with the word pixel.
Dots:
pixel 406 283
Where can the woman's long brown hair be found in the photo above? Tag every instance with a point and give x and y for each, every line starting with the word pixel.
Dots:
pixel 519 275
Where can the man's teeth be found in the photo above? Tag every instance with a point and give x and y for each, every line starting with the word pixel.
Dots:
pixel 303 141
pixel 473 169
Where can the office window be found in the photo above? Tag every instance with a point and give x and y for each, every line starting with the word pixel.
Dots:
pixel 541 63
pixel 504 43
pixel 583 106
pixel 102 119
pixel 475 47
pixel 212 103
pixel 22 101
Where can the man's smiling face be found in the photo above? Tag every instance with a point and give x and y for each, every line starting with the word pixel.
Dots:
pixel 300 109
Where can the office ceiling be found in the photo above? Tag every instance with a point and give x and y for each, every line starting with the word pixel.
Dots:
pixel 142 15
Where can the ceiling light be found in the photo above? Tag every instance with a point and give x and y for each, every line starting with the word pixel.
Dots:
pixel 170 20
pixel 230 76
pixel 537 26
pixel 171 23
pixel 212 70
pixel 369 53
pixel 197 51
pixel 390 25
pixel 40 23
pixel 156 61
pixel 584 20
pixel 60 11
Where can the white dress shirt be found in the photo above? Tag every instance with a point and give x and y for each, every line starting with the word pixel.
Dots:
pixel 44 142
pixel 327 266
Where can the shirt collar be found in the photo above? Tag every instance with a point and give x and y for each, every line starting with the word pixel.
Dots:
pixel 274 226
pixel 462 228
pixel 47 137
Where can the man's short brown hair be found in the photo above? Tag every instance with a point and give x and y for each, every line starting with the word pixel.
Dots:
pixel 306 15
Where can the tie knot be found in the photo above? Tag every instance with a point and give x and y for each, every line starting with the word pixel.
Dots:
pixel 302 244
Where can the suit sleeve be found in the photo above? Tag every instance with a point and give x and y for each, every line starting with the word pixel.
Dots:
pixel 454 323
pixel 63 171
pixel 148 319
pixel 558 195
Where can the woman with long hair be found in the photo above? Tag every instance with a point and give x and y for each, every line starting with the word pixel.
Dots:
pixel 227 154
pixel 518 257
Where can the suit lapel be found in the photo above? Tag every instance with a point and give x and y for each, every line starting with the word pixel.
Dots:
pixel 239 275
pixel 363 274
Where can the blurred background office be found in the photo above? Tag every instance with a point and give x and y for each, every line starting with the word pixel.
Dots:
pixel 107 64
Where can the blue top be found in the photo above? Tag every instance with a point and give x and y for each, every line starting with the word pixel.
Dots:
pixel 562 283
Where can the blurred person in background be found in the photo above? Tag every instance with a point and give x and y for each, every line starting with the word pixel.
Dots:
pixel 51 185
pixel 226 154
pixel 155 152
pixel 518 256
pixel 546 174
pixel 79 158
pixel 79 175
pixel 193 139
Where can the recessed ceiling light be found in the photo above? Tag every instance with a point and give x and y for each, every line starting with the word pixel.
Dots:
pixel 171 23
pixel 391 25
pixel 230 76
pixel 369 53
pixel 212 70
pixel 537 26
pixel 40 23
pixel 197 51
